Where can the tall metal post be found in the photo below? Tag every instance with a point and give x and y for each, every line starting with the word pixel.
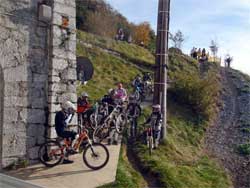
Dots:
pixel 160 85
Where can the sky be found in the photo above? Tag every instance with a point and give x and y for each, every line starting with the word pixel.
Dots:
pixel 225 21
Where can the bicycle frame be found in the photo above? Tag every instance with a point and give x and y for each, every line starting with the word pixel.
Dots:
pixel 83 136
pixel 150 139
pixel 149 131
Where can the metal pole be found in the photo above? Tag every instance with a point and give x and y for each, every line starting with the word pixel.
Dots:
pixel 160 85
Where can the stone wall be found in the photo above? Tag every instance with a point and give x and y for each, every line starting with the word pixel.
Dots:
pixel 37 75
pixel 62 75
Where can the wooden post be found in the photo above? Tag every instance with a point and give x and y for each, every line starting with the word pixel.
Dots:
pixel 160 85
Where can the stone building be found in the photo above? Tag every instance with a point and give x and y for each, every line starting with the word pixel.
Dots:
pixel 37 72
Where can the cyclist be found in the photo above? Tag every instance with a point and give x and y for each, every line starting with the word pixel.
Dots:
pixel 120 93
pixel 109 99
pixel 83 105
pixel 137 81
pixel 155 120
pixel 133 111
pixel 146 77
pixel 62 119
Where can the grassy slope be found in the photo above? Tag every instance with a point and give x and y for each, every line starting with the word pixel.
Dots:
pixel 180 162
pixel 129 51
pixel 127 176
pixel 109 69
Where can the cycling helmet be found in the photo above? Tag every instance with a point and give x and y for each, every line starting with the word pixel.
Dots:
pixel 156 108
pixel 110 91
pixel 68 105
pixel 85 94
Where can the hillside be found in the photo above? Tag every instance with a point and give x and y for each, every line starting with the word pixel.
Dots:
pixel 113 62
pixel 181 161
pixel 228 140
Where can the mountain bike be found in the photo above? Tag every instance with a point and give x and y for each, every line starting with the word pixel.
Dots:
pixel 139 93
pixel 86 119
pixel 133 112
pixel 115 120
pixel 95 155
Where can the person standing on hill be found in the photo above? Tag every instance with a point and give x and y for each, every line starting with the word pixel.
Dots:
pixel 192 52
pixel 228 61
pixel 203 57
pixel 199 54
pixel 195 54
pixel 203 53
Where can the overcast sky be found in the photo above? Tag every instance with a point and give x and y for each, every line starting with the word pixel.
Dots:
pixel 226 21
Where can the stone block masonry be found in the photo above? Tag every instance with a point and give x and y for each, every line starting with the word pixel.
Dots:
pixel 37 73
pixel 62 78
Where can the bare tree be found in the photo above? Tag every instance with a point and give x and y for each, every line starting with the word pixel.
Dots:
pixel 177 39
pixel 214 47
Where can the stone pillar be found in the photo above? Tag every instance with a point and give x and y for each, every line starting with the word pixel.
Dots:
pixel 62 65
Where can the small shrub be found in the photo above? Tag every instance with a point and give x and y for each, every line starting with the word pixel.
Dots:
pixel 20 163
pixel 200 94
pixel 244 149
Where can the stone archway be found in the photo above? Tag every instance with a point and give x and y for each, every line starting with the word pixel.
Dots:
pixel 1 113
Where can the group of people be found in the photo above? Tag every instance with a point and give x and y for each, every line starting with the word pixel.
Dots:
pixel 120 35
pixel 114 96
pixel 200 55
pixel 142 84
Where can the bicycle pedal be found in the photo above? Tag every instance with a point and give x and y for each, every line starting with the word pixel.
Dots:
pixel 72 152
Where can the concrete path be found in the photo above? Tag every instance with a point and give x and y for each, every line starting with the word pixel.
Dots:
pixel 72 175
pixel 10 182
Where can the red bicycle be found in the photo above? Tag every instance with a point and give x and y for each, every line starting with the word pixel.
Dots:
pixel 95 155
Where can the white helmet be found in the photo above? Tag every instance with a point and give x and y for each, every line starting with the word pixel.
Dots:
pixel 84 94
pixel 156 107
pixel 68 105
pixel 110 91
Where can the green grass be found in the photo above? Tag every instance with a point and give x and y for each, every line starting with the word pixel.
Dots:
pixel 127 176
pixel 180 162
pixel 129 51
pixel 108 71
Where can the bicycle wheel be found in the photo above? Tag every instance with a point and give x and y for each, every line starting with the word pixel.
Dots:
pixel 150 145
pixel 138 110
pixel 100 134
pixel 132 128
pixel 96 156
pixel 137 96
pixel 50 153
